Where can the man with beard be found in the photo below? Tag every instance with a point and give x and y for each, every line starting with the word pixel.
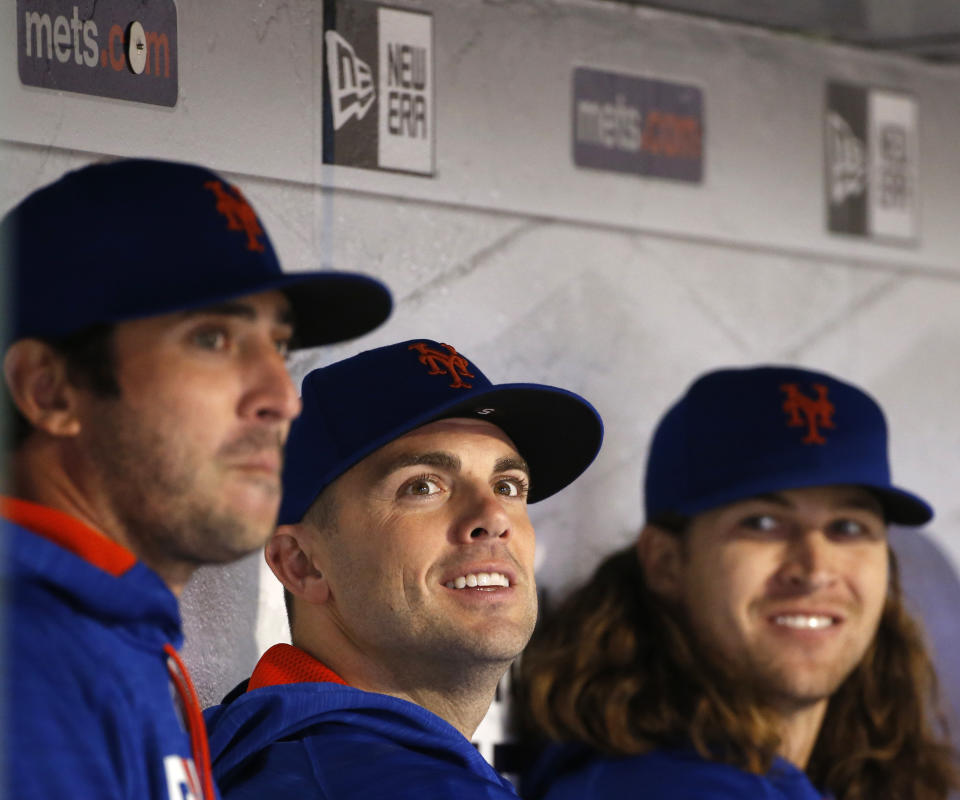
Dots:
pixel 145 349
pixel 407 554
pixel 753 642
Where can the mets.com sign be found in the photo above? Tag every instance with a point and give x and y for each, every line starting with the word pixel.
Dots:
pixel 627 123
pixel 125 49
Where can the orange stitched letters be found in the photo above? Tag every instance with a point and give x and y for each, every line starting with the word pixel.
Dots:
pixel 449 363
pixel 240 216
pixel 817 412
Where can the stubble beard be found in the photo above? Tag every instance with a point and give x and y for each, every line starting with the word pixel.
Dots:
pixel 461 662
pixel 436 648
pixel 495 642
pixel 154 486
pixel 498 646
pixel 770 680
pixel 783 687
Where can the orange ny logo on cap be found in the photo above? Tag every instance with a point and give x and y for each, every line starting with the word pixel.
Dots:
pixel 449 363
pixel 240 216
pixel 804 411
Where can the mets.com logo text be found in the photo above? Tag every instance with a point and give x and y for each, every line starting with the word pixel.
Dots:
pixel 620 125
pixel 71 38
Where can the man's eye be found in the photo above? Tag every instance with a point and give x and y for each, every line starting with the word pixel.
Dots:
pixel 421 487
pixel 211 339
pixel 511 487
pixel 849 528
pixel 760 522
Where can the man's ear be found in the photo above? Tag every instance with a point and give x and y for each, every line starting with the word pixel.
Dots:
pixel 661 556
pixel 290 552
pixel 36 377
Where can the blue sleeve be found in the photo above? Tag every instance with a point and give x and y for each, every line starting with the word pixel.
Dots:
pixel 666 775
pixel 350 763
pixel 340 764
pixel 282 770
pixel 66 734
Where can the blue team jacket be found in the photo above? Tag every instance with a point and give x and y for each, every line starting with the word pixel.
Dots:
pixel 573 773
pixel 89 709
pixel 327 741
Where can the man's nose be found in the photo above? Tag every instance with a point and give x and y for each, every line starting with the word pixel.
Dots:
pixel 484 517
pixel 808 561
pixel 270 395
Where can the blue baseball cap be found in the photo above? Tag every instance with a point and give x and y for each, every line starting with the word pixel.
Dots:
pixel 738 433
pixel 356 406
pixel 136 238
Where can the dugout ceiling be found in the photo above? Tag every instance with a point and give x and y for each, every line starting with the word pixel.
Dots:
pixel 927 29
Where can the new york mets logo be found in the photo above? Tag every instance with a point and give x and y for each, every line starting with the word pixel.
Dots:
pixel 805 411
pixel 240 216
pixel 450 363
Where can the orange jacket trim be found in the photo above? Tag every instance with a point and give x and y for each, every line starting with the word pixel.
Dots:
pixel 69 533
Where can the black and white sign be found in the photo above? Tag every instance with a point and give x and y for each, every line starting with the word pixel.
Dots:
pixel 378 87
pixel 870 139
pixel 625 123
pixel 125 49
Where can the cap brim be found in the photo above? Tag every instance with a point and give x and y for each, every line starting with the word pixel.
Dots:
pixel 903 507
pixel 899 506
pixel 557 432
pixel 327 306
pixel 332 307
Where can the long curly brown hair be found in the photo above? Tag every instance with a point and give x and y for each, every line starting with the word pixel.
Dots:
pixel 613 667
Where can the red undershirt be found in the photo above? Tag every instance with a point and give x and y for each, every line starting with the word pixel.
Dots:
pixel 284 664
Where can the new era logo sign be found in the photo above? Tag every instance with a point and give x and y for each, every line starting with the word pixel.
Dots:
pixel 378 88
pixel 871 151
pixel 846 161
pixel 351 82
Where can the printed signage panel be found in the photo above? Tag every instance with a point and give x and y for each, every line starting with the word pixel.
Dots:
pixel 124 49
pixel 378 107
pixel 871 155
pixel 626 123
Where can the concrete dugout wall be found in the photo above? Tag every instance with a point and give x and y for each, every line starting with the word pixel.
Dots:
pixel 618 286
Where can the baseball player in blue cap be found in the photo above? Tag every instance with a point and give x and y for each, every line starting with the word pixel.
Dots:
pixel 406 551
pixel 753 643
pixel 144 355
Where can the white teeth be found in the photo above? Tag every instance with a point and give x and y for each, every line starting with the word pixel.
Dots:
pixel 803 621
pixel 475 579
